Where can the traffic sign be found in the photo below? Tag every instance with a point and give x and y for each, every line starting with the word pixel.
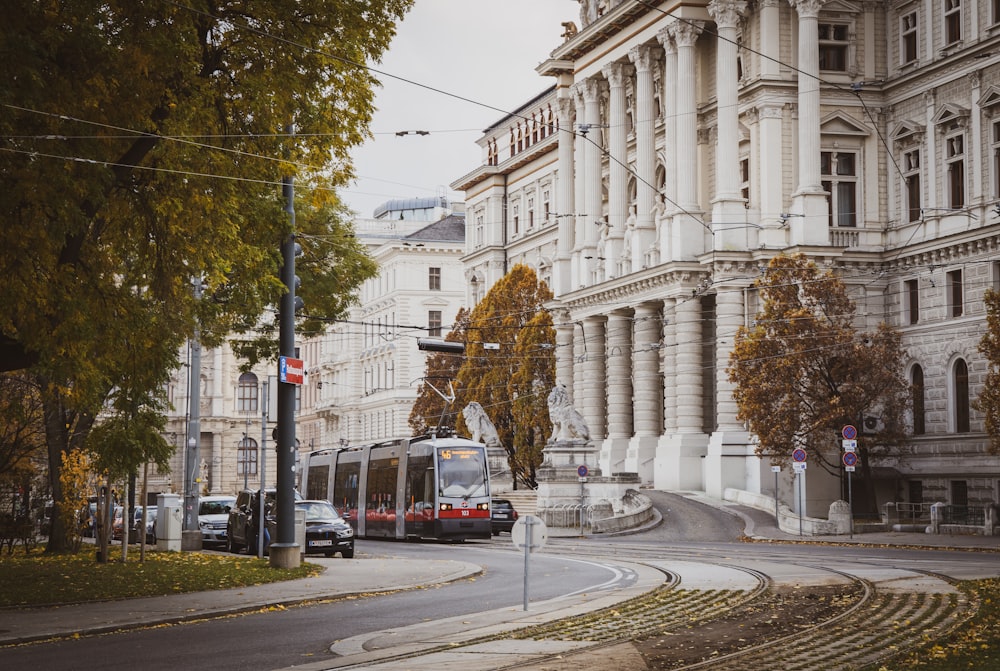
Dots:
pixel 849 432
pixel 849 469
pixel 539 533
pixel 799 467
pixel 798 454
pixel 291 371
pixel 850 459
pixel 775 469
pixel 582 470
pixel 849 445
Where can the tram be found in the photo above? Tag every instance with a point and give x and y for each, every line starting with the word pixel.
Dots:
pixel 422 488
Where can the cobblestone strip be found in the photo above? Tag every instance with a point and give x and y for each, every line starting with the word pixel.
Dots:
pixel 885 626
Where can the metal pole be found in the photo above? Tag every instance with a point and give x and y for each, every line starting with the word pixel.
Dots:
pixel 262 459
pixel 800 502
pixel 528 524
pixel 776 520
pixel 190 522
pixel 850 503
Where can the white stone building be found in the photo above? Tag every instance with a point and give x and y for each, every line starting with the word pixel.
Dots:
pixel 363 373
pixel 682 145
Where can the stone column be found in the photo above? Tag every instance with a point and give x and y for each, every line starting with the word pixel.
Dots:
pixel 643 57
pixel 809 199
pixel 579 186
pixel 616 74
pixel 594 402
pixel 564 350
pixel 564 196
pixel 679 455
pixel 770 39
pixel 593 147
pixel 619 366
pixel 723 467
pixel 688 230
pixel 728 206
pixel 770 131
pixel 669 359
pixel 648 391
pixel 668 99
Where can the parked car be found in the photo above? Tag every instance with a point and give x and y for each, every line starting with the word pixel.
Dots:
pixel 327 533
pixel 213 518
pixel 150 525
pixel 118 524
pixel 242 525
pixel 502 515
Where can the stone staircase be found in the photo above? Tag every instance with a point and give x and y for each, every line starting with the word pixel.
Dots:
pixel 525 501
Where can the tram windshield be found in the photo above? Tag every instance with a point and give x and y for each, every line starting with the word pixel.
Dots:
pixel 462 473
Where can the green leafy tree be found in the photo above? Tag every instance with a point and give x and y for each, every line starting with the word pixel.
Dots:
pixel 144 145
pixel 803 371
pixel 429 410
pixel 988 402
pixel 508 316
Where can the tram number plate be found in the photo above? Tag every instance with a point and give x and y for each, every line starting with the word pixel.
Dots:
pixel 465 513
pixel 320 543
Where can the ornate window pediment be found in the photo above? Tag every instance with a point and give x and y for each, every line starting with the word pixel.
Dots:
pixel 950 116
pixel 839 123
pixel 991 99
pixel 908 133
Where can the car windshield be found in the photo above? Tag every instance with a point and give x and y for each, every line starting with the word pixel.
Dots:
pixel 318 510
pixel 214 507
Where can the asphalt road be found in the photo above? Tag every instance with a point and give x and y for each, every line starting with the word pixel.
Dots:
pixel 282 638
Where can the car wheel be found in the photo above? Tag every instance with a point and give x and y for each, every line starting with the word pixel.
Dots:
pixel 347 554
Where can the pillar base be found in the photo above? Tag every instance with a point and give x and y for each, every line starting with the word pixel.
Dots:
pixel 678 464
pixel 285 555
pixel 641 457
pixel 191 541
pixel 728 462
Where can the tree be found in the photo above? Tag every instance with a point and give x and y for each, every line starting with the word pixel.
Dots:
pixel 429 412
pixel 803 371
pixel 144 147
pixel 988 402
pixel 508 316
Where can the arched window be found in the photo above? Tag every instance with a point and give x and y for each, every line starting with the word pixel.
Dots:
pixel 513 145
pixel 917 380
pixel 246 393
pixel 961 396
pixel 246 457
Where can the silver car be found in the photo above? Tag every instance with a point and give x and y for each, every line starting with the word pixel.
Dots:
pixel 213 513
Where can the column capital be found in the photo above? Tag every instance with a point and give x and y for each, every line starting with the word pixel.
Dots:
pixel 565 107
pixel 686 34
pixel 807 9
pixel 727 13
pixel 617 73
pixel 665 36
pixel 643 56
pixel 590 89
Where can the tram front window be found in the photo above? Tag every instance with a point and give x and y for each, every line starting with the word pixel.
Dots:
pixel 462 474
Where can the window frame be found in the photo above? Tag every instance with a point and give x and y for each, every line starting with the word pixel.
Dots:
pixel 911 296
pixel 434 278
pixel 951 18
pixel 919 400
pixel 247 395
pixel 956 293
pixel 960 396
pixel 954 159
pixel 913 178
pixel 833 178
pixel 435 323
pixel 909 38
pixel 829 46
pixel 246 455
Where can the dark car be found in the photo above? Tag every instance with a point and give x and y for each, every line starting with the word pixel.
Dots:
pixel 502 515
pixel 243 523
pixel 327 533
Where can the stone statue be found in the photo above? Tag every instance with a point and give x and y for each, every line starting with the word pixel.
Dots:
pixel 567 422
pixel 569 30
pixel 480 425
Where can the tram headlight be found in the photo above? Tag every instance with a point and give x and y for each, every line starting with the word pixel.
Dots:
pixel 483 506
pixel 445 506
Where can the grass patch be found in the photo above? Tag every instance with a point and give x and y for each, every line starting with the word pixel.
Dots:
pixel 41 579
pixel 975 645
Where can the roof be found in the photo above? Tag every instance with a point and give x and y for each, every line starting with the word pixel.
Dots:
pixel 448 229
pixel 410 204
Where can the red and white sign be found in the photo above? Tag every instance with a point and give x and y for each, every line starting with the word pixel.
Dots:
pixel 291 371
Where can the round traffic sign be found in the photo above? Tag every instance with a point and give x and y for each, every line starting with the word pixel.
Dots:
pixel 849 432
pixel 531 531
pixel 582 470
pixel 799 454
pixel 850 458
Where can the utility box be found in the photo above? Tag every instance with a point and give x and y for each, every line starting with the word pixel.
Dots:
pixel 300 529
pixel 169 522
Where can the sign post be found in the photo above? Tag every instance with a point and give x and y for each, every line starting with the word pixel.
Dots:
pixel 582 471
pixel 799 458
pixel 850 434
pixel 776 470
pixel 529 533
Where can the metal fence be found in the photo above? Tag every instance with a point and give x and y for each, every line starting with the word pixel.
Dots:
pixel 965 515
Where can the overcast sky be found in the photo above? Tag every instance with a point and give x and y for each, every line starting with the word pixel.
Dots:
pixel 482 50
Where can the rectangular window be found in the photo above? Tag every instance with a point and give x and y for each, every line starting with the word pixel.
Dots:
pixel 434 279
pixel 839 174
pixel 515 220
pixel 911 166
pixel 908 38
pixel 916 488
pixel 955 293
pixel 955 160
pixel 434 323
pixel 531 213
pixel 480 230
pixel 952 21
pixel 959 493
pixel 745 179
pixel 996 19
pixel 833 43
pixel 912 294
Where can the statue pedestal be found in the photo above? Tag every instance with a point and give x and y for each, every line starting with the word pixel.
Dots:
pixel 567 500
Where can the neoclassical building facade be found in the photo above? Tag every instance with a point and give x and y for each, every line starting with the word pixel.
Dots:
pixel 680 146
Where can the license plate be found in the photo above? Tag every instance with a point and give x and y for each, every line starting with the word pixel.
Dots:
pixel 320 543
pixel 502 516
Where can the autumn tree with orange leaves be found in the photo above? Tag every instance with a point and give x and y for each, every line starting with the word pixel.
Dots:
pixel 988 402
pixel 803 370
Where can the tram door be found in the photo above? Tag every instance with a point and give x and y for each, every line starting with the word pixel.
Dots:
pixel 420 493
pixel 346 481
pixel 380 497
